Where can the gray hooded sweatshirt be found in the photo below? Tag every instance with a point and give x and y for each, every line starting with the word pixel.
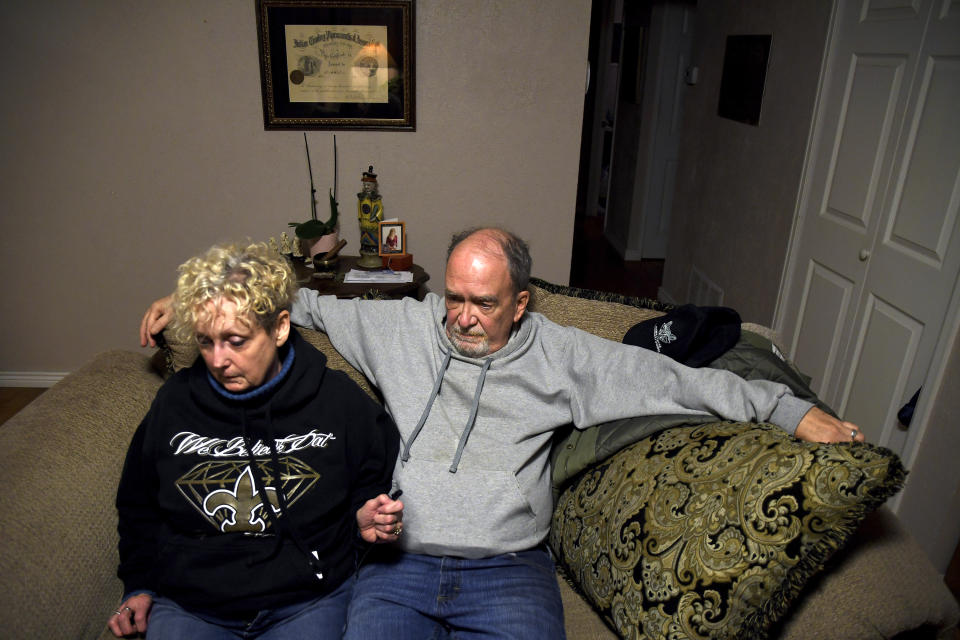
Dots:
pixel 476 432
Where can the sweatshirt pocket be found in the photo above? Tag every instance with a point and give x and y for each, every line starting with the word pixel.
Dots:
pixel 475 512
pixel 233 572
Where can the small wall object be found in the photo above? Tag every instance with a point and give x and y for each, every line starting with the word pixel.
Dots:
pixel 744 73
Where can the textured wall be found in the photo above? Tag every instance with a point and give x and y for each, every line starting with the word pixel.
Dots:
pixel 133 138
pixel 737 184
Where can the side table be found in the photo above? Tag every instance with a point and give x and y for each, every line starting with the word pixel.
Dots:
pixel 336 286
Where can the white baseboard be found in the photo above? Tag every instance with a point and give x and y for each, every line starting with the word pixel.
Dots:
pixel 38 379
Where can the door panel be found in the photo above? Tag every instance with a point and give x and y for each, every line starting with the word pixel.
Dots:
pixel 868 111
pixel 826 300
pixel 887 339
pixel 925 210
pixel 890 10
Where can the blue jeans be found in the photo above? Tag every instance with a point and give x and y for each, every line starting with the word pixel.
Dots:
pixel 410 596
pixel 312 620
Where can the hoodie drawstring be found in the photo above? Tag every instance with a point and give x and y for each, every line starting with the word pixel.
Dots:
pixel 426 410
pixel 475 406
pixel 281 520
pixel 291 530
pixel 473 417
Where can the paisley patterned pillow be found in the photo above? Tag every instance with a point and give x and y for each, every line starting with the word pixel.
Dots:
pixel 711 531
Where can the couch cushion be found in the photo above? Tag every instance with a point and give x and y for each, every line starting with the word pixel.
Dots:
pixel 60 461
pixel 713 530
pixel 607 315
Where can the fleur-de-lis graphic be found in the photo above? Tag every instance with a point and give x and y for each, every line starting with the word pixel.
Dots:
pixel 663 335
pixel 243 504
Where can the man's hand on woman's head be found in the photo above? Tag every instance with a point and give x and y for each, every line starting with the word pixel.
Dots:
pixel 158 315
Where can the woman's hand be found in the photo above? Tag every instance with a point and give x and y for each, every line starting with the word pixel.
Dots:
pixel 131 616
pixel 380 519
pixel 158 315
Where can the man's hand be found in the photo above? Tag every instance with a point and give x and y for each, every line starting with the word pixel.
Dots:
pixel 158 315
pixel 131 616
pixel 819 426
pixel 380 519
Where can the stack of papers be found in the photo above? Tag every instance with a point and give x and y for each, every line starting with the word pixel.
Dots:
pixel 378 277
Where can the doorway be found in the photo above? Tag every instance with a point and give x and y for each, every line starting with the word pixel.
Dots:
pixel 639 57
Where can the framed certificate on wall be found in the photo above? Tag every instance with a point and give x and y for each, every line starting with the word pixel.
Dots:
pixel 337 64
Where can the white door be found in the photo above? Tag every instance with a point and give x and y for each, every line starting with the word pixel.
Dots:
pixel 876 256
pixel 605 81
pixel 672 31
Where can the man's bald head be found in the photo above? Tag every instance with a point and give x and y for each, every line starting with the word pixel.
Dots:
pixel 500 242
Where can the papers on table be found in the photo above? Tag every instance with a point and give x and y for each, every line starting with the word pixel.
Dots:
pixel 378 277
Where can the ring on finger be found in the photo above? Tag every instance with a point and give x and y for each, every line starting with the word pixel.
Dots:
pixel 853 434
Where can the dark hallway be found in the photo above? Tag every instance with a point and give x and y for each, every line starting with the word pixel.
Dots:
pixel 596 265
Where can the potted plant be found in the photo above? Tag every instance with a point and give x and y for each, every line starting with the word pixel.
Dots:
pixel 315 235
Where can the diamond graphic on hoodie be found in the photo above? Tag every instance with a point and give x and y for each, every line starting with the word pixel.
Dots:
pixel 224 492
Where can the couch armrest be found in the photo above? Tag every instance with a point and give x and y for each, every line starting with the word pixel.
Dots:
pixel 60 461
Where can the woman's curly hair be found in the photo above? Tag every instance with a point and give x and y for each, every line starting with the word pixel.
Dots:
pixel 255 277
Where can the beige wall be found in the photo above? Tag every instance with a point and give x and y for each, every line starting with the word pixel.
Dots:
pixel 737 184
pixel 133 138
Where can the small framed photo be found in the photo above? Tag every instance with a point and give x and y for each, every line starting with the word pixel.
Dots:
pixel 393 239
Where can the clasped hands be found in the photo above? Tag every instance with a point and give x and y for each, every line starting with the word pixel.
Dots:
pixel 380 519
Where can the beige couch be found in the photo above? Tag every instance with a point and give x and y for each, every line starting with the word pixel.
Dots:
pixel 60 459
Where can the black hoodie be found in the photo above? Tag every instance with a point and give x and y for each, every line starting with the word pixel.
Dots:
pixel 193 525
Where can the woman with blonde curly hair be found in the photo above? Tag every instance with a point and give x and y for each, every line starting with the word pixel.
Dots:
pixel 255 473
